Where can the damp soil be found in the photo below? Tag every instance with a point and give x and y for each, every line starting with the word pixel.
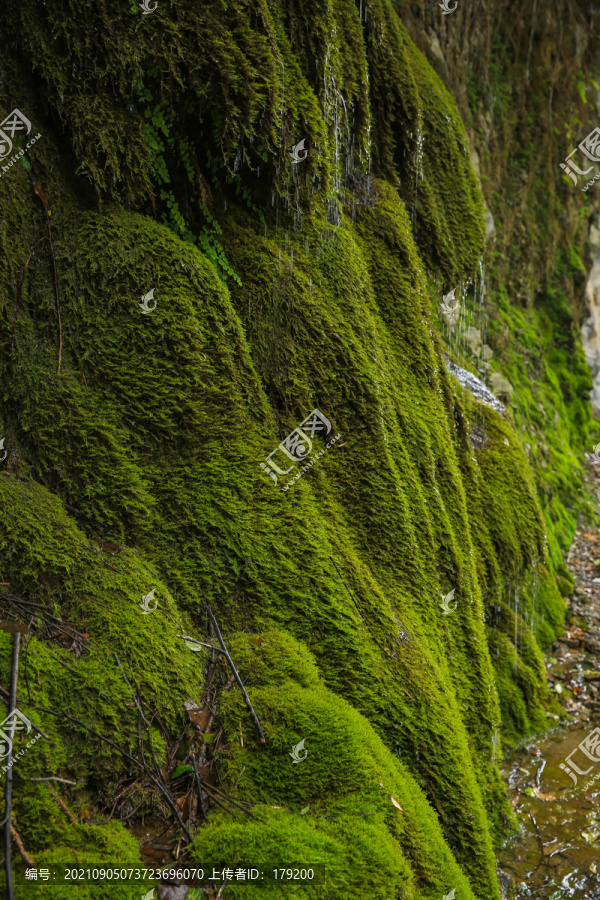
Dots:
pixel 557 851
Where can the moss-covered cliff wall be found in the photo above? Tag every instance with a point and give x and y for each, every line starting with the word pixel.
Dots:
pixel 280 287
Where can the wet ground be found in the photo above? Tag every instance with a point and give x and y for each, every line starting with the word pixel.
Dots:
pixel 557 854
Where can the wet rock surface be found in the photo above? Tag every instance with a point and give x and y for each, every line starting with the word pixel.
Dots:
pixel 475 385
pixel 557 854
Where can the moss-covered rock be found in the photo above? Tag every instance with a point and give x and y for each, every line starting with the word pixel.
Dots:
pixel 280 289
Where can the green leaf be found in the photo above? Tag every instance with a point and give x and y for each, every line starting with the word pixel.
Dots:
pixel 181 770
pixel 305 810
pixel 209 738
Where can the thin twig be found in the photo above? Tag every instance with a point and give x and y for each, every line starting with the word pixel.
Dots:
pixel 39 193
pixel 194 641
pixel 537 831
pixel 63 805
pixel 125 754
pixel 222 805
pixel 19 292
pixel 12 704
pixel 133 693
pixel 50 778
pixel 236 676
pixel 17 603
pixel 19 843
pixel 211 787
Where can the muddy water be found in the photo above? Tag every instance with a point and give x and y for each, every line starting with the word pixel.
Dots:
pixel 557 853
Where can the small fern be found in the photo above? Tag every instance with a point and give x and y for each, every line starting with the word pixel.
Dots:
pixel 160 137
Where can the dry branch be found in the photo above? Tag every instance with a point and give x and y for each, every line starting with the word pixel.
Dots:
pixel 236 676
pixel 63 805
pixel 127 755
pixel 17 839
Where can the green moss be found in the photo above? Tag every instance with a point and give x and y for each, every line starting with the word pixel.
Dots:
pixel 347 773
pixel 153 432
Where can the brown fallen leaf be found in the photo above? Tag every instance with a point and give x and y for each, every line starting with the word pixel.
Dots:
pixel 39 190
pixel 110 547
pixel 207 774
pixel 69 638
pixel 396 804
pixel 541 796
pixel 198 717
pixel 183 805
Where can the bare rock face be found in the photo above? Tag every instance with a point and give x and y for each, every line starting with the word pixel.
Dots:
pixel 590 329
pixel 476 386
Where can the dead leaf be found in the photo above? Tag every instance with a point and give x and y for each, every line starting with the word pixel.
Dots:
pixel 39 190
pixel 541 796
pixel 110 547
pixel 198 717
pixel 183 805
pixel 396 804
pixel 69 638
pixel 207 775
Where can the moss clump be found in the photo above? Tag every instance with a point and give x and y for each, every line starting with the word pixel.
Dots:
pixel 347 781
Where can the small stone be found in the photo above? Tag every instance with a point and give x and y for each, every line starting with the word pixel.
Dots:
pixel 570 642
